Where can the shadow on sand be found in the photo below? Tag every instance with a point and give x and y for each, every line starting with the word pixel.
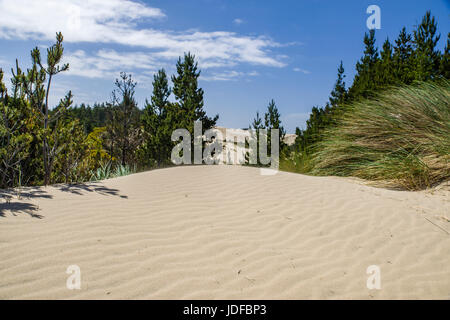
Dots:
pixel 14 201
pixel 91 187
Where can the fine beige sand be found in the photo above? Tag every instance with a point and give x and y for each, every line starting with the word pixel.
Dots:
pixel 224 232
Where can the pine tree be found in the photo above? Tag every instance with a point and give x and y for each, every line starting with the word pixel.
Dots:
pixel 272 120
pixel 157 130
pixel 89 117
pixel 338 95
pixel 402 63
pixel 256 125
pixel 161 92
pixel 444 68
pixel 365 78
pixel 402 58
pixel 426 57
pixel 123 126
pixel 15 139
pixel 33 84
pixel 386 75
pixel 257 122
pixel 189 96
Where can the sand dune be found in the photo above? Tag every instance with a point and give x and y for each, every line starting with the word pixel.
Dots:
pixel 224 232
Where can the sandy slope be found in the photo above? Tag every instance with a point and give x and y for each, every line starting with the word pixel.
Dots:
pixel 225 232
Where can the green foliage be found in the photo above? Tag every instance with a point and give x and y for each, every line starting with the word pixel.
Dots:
pixel 123 170
pixel 412 58
pixel 161 117
pixel 296 162
pixel 102 173
pixel 189 96
pixel 386 66
pixel 339 93
pixel 403 52
pixel 31 86
pixel 444 68
pixel 157 127
pixel 323 148
pixel 257 122
pixel 426 57
pixel 272 120
pixel 401 138
pixel 42 145
pixel 90 117
pixel 14 136
pixel 69 166
pixel 365 78
pixel 96 152
pixel 123 128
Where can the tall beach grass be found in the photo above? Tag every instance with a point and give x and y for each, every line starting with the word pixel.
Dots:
pixel 400 138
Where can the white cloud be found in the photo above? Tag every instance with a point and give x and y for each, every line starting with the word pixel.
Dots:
pixel 80 20
pixel 228 75
pixel 301 70
pixel 107 63
pixel 238 21
pixel 119 22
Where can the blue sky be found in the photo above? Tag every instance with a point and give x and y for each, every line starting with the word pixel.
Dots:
pixel 249 51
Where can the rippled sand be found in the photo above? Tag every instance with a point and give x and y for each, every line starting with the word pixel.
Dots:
pixel 224 232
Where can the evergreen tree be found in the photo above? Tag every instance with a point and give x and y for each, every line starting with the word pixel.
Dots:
pixel 89 117
pixel 33 84
pixel 386 75
pixel 403 64
pixel 338 95
pixel 161 92
pixel 256 125
pixel 189 96
pixel 444 68
pixel 157 130
pixel 257 122
pixel 272 120
pixel 313 126
pixel 123 126
pixel 365 78
pixel 15 139
pixel 426 57
pixel 298 140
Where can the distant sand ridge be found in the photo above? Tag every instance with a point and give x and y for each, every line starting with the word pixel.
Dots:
pixel 224 232
pixel 233 153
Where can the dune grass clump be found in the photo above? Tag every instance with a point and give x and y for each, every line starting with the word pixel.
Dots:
pixel 107 172
pixel 123 170
pixel 400 138
pixel 298 162
pixel 101 173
